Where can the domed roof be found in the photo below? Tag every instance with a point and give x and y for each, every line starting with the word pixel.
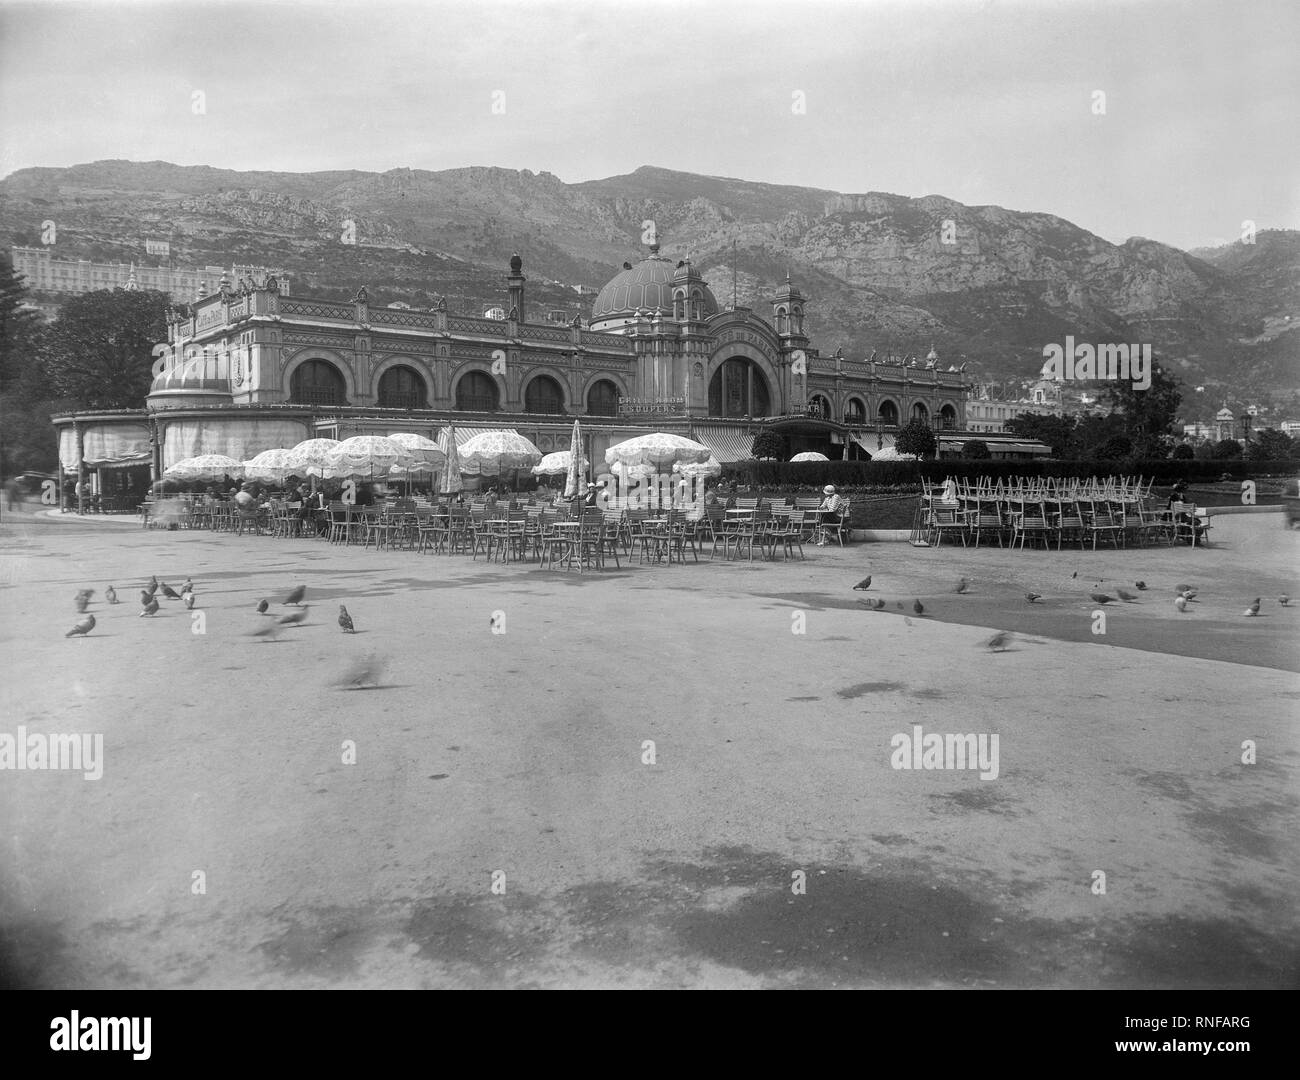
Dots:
pixel 646 287
pixel 1223 414
pixel 195 376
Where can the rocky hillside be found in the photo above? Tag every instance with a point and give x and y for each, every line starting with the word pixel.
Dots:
pixel 885 272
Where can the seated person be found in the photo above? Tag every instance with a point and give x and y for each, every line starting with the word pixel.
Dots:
pixel 831 503
pixel 1188 524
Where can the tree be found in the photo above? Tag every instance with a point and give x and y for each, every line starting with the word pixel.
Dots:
pixel 1271 445
pixel 21 330
pixel 1117 446
pixel 99 352
pixel 1183 452
pixel 768 444
pixel 1053 431
pixel 976 448
pixel 1227 450
pixel 1148 415
pixel 915 437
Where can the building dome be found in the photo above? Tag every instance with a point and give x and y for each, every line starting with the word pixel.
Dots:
pixel 646 287
pixel 1223 414
pixel 199 380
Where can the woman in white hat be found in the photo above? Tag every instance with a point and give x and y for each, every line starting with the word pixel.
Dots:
pixel 831 503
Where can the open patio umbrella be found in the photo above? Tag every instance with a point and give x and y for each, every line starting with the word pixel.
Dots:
pixel 890 454
pixel 270 466
pixel 490 453
pixel 365 455
pixel 451 481
pixel 659 449
pixel 423 451
pixel 311 457
pixel 810 455
pixel 205 467
pixel 556 464
pixel 712 467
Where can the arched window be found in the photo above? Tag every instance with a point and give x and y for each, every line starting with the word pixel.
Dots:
pixel 697 305
pixel 401 388
pixel 819 405
pixel 476 392
pixel 948 418
pixel 543 395
pixel 855 412
pixel 888 414
pixel 739 389
pixel 920 412
pixel 602 399
pixel 679 304
pixel 781 320
pixel 317 382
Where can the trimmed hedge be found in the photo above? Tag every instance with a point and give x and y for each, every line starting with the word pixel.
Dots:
pixel 777 474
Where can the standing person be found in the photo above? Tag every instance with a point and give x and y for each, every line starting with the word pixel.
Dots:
pixel 12 495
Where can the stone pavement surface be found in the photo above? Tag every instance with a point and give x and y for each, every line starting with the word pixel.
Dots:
pixel 771 843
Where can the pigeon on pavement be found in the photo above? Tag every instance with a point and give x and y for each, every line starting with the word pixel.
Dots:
pixel 110 594
pixel 295 597
pixel 169 592
pixel 1284 600
pixel 367 669
pixel 81 600
pixel 963 585
pixel 1124 594
pixel 1139 585
pixel 1102 598
pixel 268 631
pixel 998 642
pixel 918 607
pixel 84 627
pixel 345 620
pixel 189 601
pixel 1032 596
pixel 873 605
pixel 863 585
pixel 153 585
pixel 1254 608
pixel 1180 589
pixel 1181 603
pixel 262 605
pixel 150 607
pixel 295 617
pixel 187 587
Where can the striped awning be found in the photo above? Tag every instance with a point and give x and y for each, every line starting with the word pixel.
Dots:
pixel 868 442
pixel 727 443
pixel 464 434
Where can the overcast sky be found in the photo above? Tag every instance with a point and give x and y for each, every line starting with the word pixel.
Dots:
pixel 984 102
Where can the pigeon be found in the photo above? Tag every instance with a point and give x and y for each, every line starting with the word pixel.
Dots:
pixel 863 585
pixel 89 594
pixel 267 631
pixel 295 597
pixel 900 605
pixel 873 605
pixel 295 617
pixel 1253 609
pixel 1284 600
pixel 998 642
pixel 1181 603
pixel 1188 594
pixel 1102 598
pixel 110 594
pixel 153 585
pixel 169 592
pixel 150 607
pixel 187 587
pixel 918 607
pixel 368 669
pixel 1180 589
pixel 345 620
pixel 262 605
pixel 1075 574
pixel 81 601
pixel 145 596
pixel 1140 585
pixel 84 627
pixel 189 601
pixel 1033 596
pixel 1124 594
pixel 963 585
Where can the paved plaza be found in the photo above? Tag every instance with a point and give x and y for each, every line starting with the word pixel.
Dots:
pixel 658 776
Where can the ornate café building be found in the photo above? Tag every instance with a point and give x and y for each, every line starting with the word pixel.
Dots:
pixel 250 368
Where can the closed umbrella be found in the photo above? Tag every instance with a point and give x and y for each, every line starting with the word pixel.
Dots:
pixel 577 466
pixel 451 481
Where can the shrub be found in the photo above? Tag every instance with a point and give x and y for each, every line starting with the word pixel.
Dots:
pixel 1227 450
pixel 1183 452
